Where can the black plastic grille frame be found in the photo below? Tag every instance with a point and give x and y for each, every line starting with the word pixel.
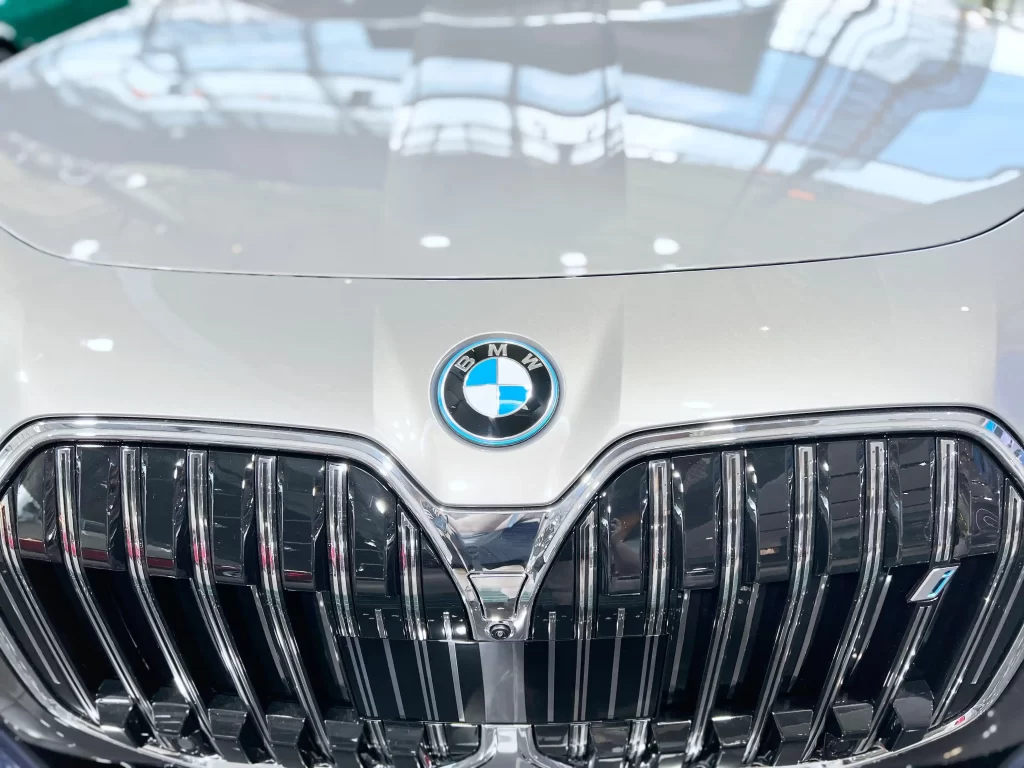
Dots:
pixel 770 603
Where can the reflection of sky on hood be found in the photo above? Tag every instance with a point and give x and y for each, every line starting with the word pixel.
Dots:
pixel 903 87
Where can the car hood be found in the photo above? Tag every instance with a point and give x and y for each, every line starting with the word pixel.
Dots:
pixel 401 139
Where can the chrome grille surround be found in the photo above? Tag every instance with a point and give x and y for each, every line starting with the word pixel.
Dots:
pixel 439 522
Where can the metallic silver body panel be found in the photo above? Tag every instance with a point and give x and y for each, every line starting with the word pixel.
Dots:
pixel 511 141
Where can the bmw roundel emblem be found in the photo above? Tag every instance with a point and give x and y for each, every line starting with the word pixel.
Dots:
pixel 497 391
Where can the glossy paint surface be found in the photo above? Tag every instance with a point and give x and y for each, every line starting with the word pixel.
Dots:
pixel 939 327
pixel 401 139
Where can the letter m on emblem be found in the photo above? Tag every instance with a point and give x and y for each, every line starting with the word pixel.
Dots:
pixel 497 350
pixel 531 361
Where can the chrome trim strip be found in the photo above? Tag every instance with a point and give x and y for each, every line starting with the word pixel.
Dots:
pixel 644 670
pixel 453 659
pixel 946 526
pixel 586 581
pixel 1013 500
pixel 732 523
pixel 999 629
pixel 661 504
pixel 812 624
pixel 437 741
pixel 132 505
pixel 620 624
pixel 12 558
pixel 636 741
pixel 646 703
pixel 415 622
pixel 680 633
pixel 579 737
pixel 205 590
pixel 341 588
pixel 552 626
pixel 329 632
pixel 1009 550
pixel 268 529
pixel 377 738
pixel 382 631
pixel 748 624
pixel 867 586
pixel 67 519
pixel 803 543
pixel 557 518
pixel 876 612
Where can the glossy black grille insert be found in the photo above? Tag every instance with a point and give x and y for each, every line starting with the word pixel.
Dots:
pixel 748 605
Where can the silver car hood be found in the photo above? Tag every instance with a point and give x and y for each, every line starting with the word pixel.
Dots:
pixel 446 141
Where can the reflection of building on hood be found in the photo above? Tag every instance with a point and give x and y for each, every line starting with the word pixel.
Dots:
pixel 869 89
pixel 552 123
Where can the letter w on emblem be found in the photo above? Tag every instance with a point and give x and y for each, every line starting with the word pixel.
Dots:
pixel 497 350
pixel 531 361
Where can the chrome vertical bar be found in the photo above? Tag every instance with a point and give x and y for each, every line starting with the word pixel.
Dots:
pixel 341 586
pixel 620 623
pixel 552 628
pixel 377 739
pixel 206 592
pixel 946 527
pixel 329 632
pixel 437 741
pixel 660 491
pixel 579 737
pixel 586 581
pixel 1009 551
pixel 453 659
pixel 26 596
pixel 732 482
pixel 803 543
pixel 269 532
pixel 67 519
pixel 415 622
pixel 636 741
pixel 133 510
pixel 868 587
pixel 382 633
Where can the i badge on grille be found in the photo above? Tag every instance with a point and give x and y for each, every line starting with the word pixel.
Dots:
pixel 931 586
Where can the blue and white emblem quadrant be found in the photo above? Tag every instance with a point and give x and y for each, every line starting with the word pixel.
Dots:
pixel 497 386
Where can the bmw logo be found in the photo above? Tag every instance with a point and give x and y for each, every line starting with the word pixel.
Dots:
pixel 497 391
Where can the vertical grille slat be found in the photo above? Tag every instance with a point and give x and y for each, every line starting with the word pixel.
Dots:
pixel 732 485
pixel 924 615
pixel 339 538
pixel 586 582
pixel 136 548
pixel 1009 551
pixel 56 663
pixel 204 584
pixel 415 620
pixel 803 540
pixel 272 592
pixel 867 596
pixel 68 522
pixel 660 491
